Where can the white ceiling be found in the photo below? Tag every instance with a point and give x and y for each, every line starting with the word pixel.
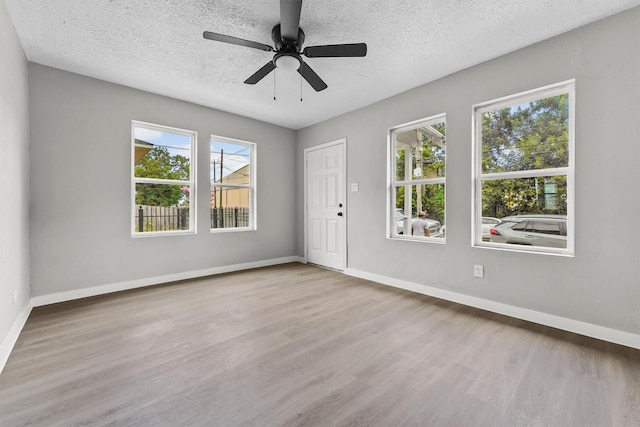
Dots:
pixel 157 45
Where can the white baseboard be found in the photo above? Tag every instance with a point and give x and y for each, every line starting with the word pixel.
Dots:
pixel 600 332
pixel 606 334
pixel 11 338
pixel 150 281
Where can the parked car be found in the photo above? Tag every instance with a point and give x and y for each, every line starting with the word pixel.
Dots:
pixel 435 228
pixel 487 224
pixel 535 230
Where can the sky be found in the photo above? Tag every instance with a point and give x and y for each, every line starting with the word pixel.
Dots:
pixel 235 155
pixel 176 143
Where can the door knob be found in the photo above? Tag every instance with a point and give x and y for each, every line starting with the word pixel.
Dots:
pixel 339 213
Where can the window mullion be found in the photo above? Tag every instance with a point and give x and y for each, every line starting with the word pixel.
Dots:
pixel 225 185
pixel 524 174
pixel 161 181
pixel 424 181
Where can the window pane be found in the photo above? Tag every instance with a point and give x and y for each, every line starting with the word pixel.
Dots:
pixel 231 190
pixel 230 162
pixel 402 219
pixel 524 196
pixel 230 207
pixel 161 207
pixel 420 152
pixel 401 163
pixel 527 136
pixel 161 154
pixel 427 198
pixel 528 216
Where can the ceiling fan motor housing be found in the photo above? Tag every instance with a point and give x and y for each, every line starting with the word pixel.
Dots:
pixel 284 45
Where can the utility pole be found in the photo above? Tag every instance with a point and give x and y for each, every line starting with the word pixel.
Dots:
pixel 215 190
pixel 221 155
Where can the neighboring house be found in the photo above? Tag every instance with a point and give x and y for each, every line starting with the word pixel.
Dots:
pixel 227 197
pixel 142 148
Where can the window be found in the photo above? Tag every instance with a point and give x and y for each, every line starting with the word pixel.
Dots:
pixel 163 180
pixel 417 177
pixel 232 191
pixel 523 170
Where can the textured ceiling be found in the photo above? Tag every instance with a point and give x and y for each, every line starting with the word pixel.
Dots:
pixel 157 45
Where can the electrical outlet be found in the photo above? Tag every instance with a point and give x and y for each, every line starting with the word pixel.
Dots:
pixel 478 271
pixel 15 296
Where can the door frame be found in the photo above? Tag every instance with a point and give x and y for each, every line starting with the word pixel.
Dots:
pixel 343 143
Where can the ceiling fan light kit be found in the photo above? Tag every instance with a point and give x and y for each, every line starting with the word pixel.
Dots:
pixel 287 62
pixel 288 39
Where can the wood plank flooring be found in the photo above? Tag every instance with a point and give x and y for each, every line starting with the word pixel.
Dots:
pixel 297 345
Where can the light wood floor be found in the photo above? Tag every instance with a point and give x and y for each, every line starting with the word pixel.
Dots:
pixel 297 345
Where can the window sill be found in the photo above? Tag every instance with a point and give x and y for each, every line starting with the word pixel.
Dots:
pixel 231 230
pixel 163 234
pixel 436 240
pixel 537 250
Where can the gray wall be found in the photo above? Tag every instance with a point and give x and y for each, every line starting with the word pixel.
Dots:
pixel 14 175
pixel 601 284
pixel 80 186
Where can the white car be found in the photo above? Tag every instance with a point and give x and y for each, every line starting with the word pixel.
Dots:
pixel 535 230
pixel 487 224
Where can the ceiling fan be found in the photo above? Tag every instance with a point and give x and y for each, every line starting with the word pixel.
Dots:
pixel 288 39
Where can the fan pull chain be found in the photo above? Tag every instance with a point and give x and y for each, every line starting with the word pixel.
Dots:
pixel 274 83
pixel 301 88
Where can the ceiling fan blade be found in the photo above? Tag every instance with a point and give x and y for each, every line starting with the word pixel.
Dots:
pixel 234 40
pixel 336 50
pixel 261 73
pixel 290 19
pixel 311 77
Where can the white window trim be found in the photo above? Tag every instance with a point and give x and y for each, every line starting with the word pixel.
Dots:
pixel 252 186
pixel 565 87
pixel 191 182
pixel 392 181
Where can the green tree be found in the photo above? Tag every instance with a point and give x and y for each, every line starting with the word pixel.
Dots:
pixel 160 164
pixel 525 137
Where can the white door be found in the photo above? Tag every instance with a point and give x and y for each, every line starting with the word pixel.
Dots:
pixel 325 221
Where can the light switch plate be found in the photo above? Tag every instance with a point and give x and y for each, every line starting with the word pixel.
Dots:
pixel 354 187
